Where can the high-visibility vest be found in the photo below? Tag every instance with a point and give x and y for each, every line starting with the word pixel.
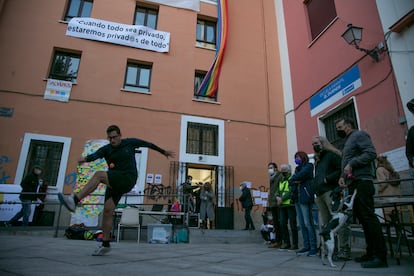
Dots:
pixel 284 189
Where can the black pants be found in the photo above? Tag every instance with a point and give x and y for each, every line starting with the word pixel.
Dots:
pixel 276 223
pixel 248 218
pixel 288 214
pixel 364 211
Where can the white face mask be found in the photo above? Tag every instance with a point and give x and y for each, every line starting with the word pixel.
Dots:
pixel 271 171
pixel 241 188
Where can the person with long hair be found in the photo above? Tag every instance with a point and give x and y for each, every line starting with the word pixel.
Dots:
pixel 303 196
pixel 383 172
pixel 207 206
pixel 327 173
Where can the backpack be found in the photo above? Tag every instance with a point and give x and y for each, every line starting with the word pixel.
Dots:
pixel 394 176
pixel 76 232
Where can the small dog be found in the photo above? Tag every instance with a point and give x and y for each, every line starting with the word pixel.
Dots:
pixel 329 231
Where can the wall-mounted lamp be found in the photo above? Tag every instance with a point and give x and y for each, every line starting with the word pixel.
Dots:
pixel 353 35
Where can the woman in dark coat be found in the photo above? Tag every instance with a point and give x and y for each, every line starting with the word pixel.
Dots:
pixel 247 204
pixel 303 196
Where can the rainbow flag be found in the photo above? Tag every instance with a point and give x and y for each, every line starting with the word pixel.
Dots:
pixel 209 86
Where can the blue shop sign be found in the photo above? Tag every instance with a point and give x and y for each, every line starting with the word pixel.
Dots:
pixel 334 91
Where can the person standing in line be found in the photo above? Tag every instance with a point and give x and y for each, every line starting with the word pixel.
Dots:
pixel 409 148
pixel 247 204
pixel 383 172
pixel 119 179
pixel 274 179
pixel 301 186
pixel 29 186
pixel 207 206
pixel 358 171
pixel 327 173
pixel 287 210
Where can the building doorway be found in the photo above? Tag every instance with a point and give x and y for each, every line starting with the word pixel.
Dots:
pixel 201 175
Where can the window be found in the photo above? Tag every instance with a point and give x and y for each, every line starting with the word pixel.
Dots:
pixel 347 110
pixel 47 155
pixel 206 33
pixel 78 8
pixel 65 66
pixel 198 79
pixel 320 14
pixel 146 17
pixel 50 152
pixel 202 139
pixel 137 77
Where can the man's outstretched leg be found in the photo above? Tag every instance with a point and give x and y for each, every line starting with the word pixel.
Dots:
pixel 109 208
pixel 70 201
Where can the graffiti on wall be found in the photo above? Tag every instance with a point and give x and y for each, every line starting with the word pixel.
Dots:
pixel 70 179
pixel 157 191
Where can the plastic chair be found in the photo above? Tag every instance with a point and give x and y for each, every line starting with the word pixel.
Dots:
pixel 129 219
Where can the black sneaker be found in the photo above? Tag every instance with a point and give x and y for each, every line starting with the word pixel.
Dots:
pixel 374 263
pixel 363 258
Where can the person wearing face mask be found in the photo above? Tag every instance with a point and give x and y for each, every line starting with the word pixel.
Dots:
pixel 274 179
pixel 247 204
pixel 287 210
pixel 301 187
pixel 327 173
pixel 29 186
pixel 358 172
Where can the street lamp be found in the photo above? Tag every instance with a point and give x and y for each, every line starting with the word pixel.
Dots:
pixel 353 35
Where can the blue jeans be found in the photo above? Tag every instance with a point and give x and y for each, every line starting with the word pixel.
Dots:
pixel 304 212
pixel 24 212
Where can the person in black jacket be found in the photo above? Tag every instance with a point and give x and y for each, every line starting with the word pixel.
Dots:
pixel 327 173
pixel 247 204
pixel 409 148
pixel 29 188
pixel 358 156
pixel 120 178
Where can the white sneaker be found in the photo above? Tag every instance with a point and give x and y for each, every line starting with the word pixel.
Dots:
pixel 68 201
pixel 101 251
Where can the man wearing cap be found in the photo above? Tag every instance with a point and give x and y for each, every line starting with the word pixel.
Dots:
pixel 29 187
pixel 409 148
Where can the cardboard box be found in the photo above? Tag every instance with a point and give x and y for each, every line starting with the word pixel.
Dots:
pixel 159 233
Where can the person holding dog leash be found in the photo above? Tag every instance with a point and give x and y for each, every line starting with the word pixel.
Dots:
pixel 327 173
pixel 358 170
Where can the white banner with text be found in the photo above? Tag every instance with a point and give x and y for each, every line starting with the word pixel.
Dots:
pixel 184 4
pixel 128 35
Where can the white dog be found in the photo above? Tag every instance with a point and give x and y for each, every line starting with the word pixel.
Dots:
pixel 329 231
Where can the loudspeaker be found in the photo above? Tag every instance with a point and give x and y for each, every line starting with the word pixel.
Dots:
pixel 224 219
pixel 194 220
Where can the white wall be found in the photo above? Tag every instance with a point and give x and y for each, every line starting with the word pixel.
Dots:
pixel 401 48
